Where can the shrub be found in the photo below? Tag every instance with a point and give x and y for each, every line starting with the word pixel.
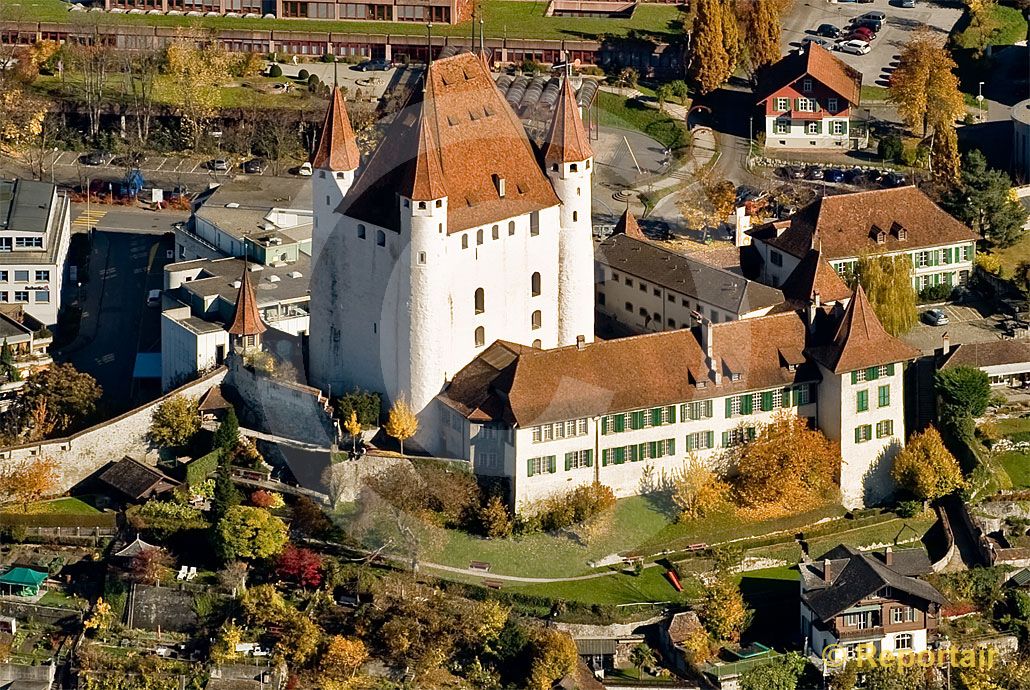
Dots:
pixel 302 75
pixel 935 293
pixel 313 80
pixel 203 467
pixel 908 509
pixel 275 71
pixel 989 263
pixel 328 57
pixel 890 148
pixel 565 509
pixel 367 404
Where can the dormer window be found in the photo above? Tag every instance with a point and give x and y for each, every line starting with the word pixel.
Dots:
pixel 881 237
pixel 735 376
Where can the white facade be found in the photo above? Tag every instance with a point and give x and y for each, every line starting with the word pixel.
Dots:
pixel 827 132
pixel 189 346
pixel 572 182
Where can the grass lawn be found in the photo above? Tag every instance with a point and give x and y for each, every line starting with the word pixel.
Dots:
pixel 1012 425
pixel 510 18
pixel 1007 25
pixel 1017 466
pixel 61 600
pixel 622 588
pixel 65 506
pixel 873 93
pixel 773 596
pixel 899 529
pixel 617 111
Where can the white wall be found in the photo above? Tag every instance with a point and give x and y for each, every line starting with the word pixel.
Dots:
pixel 797 137
pixel 184 352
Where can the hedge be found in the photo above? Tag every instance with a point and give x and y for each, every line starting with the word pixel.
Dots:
pixel 103 520
pixel 200 469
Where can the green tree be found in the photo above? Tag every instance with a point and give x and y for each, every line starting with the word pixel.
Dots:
pixel 247 532
pixel 366 404
pixel 983 200
pixel 887 281
pixel 926 468
pixel 779 674
pixel 7 364
pixel 663 93
pixel 890 148
pixel 761 29
pixel 227 436
pixel 175 421
pixel 226 495
pixel 679 90
pixel 68 395
pixel 963 391
pixel 640 656
pixel 710 64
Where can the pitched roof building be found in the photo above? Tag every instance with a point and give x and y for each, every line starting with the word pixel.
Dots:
pixel 1006 362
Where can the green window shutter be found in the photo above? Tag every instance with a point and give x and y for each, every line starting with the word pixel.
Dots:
pixel 590 458
pixel 844 127
pixel 729 407
pixel 767 401
pixel 890 370
pixel 568 461
pixel 636 420
pixel 854 378
pixel 858 434
pixel 670 446
pixel 604 457
pixel 747 404
pixel 690 442
pixel 529 467
pixel 551 464
pixel 947 255
pixel 862 402
pixel 752 432
pixel 670 412
pixel 708 408
pixel 797 104
pixel 872 373
pixel 685 411
pixel 785 398
pixel 604 425
pixel 818 127
pixel 620 423
pixel 725 439
pixel 656 416
pixel 652 449
pixel 710 439
pixel 885 396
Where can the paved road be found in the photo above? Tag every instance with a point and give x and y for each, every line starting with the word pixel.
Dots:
pixel 129 219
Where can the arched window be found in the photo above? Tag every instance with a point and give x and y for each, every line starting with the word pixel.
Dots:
pixel 361 231
pixel 479 236
pixel 537 344
pixel 537 319
pixel 575 216
pixel 534 284
pixel 480 337
pixel 511 227
pixel 340 175
pixel 495 232
pixel 464 241
pixel 573 168
pixel 422 205
pixel 380 238
pixel 480 300
pixel 579 191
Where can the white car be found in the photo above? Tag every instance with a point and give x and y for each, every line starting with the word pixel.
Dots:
pixel 854 46
pixel 304 170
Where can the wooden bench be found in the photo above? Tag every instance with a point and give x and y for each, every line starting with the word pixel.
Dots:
pixel 479 565
pixel 697 547
pixel 492 584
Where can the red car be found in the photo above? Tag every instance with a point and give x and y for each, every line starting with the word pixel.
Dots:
pixel 863 34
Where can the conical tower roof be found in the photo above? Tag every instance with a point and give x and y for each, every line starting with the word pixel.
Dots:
pixel 567 140
pixel 247 319
pixel 861 341
pixel 628 226
pixel 337 146
pixel 427 180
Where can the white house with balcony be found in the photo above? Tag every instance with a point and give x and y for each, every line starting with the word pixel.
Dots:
pixel 889 222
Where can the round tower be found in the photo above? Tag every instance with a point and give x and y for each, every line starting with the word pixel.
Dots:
pixel 334 162
pixel 569 165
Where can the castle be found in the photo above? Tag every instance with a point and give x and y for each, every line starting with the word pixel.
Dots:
pixel 456 268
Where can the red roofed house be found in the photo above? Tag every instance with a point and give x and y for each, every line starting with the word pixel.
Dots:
pixel 807 99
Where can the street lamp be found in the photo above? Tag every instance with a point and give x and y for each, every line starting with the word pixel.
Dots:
pixel 53 164
pixel 980 101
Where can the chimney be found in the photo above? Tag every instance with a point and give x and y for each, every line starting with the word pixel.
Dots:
pixel 742 223
pixel 708 343
pixel 813 307
pixel 581 343
pixel 827 571
pixel 500 184
pixel 888 556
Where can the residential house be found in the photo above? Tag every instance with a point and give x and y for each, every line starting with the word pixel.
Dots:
pixel 642 287
pixel 1006 362
pixel 627 412
pixel 851 598
pixel 29 342
pixel 35 231
pixel 135 480
pixel 808 99
pixel 889 222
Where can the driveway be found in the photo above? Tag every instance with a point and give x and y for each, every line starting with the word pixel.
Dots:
pixel 967 324
pixel 877 65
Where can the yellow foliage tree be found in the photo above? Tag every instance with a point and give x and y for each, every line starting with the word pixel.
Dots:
pixel 887 281
pixel 788 467
pixel 196 73
pixel 761 30
pixel 722 610
pixel 401 423
pixel 697 646
pixel 343 656
pixel 353 427
pixel 697 491
pixel 101 617
pixel 924 86
pixel 926 468
pixel 31 480
pixel 224 648
pixel 554 656
pixel 710 64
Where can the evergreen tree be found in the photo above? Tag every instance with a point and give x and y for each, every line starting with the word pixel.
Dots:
pixel 7 362
pixel 227 436
pixel 983 200
pixel 226 495
pixel 761 25
pixel 710 64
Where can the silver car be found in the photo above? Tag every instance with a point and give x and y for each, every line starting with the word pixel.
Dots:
pixel 935 317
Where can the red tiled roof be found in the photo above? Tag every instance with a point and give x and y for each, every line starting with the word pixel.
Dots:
pixel 847 223
pixel 566 139
pixel 814 275
pixel 861 341
pixel 478 139
pixel 337 147
pixel 628 226
pixel 246 320
pixel 817 63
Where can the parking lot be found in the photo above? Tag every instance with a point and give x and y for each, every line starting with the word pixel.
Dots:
pixel 901 23
pixel 162 165
pixel 967 323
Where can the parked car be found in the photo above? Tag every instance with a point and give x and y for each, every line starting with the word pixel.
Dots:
pixel 935 317
pixel 219 164
pixel 814 172
pixel 821 42
pixel 833 175
pixel 863 34
pixel 870 24
pixel 97 158
pixel 875 15
pixel 131 160
pixel 894 179
pixel 255 166
pixel 376 65
pixel 855 47
pixel 153 298
pixel 907 4
pixel 305 169
pixel 792 172
pixel 829 31
pixel 854 176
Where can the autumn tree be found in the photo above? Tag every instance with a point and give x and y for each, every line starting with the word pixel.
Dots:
pixel 494 518
pixel 722 610
pixel 277 139
pixel 944 157
pixel 553 655
pixel 710 62
pixel 845 678
pixel 926 468
pixel 732 35
pixel 31 480
pixel 196 74
pixel 353 428
pixel 300 638
pixel 223 649
pixel 233 577
pixel 301 565
pixel 983 200
pixel 308 519
pixel 982 22
pixel 342 657
pixel 174 422
pixel 924 86
pixel 150 565
pixel 70 398
pixel 95 62
pixel 761 29
pixel 401 422
pixel 247 532
pixel 697 491
pixel 785 468
pixel 887 281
